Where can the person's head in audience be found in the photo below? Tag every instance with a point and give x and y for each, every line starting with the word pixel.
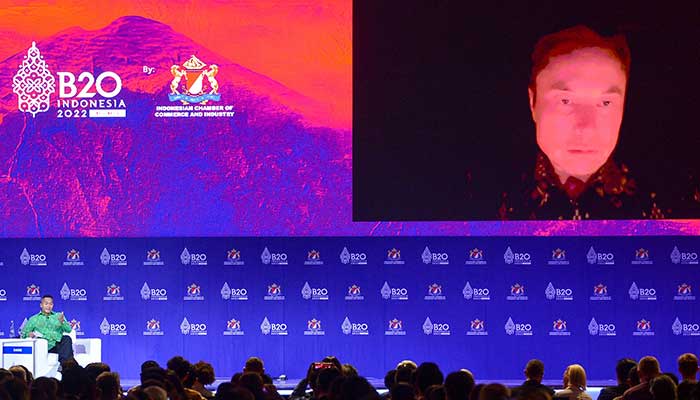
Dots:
pixel 108 386
pixel 390 379
pixel 183 370
pixel 688 366
pixel 663 388
pixel 349 370
pixel 19 373
pixel 494 391
pixel 28 373
pixel 633 377
pixel 333 360
pixel 623 368
pixel 152 374
pixel 458 385
pixel 16 389
pixel 173 385
pixel 149 364
pixel 671 375
pixel 534 370
pixel 575 377
pixel 427 374
pixel 476 391
pixel 402 391
pixel 648 368
pixel 156 393
pixel 324 379
pixel 254 365
pixel 203 373
pixel 358 388
pixel 44 388
pixel 435 392
pixel 95 369
pixel 253 382
pixel 405 373
pixel 228 391
pixel 76 382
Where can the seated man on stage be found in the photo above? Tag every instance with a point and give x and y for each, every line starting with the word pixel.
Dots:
pixel 50 326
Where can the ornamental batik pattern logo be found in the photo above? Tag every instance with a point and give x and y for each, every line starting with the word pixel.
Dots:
pixel 429 257
pixel 33 83
pixel 193 292
pixel 313 257
pixel 347 257
pixel 31 259
pixel 516 258
pixel 434 292
pixel 316 293
pixel 552 293
pixel 518 329
pixel 354 293
pixel 470 293
pixel 269 258
pixel 395 328
pixel 595 258
pixel 188 328
pixel 233 328
pixel 637 293
pixel 72 294
pixel 600 293
pixel 354 328
pixel 273 328
pixel 683 257
pixel 435 329
pixel 235 294
pixel 157 294
pixel 72 258
pixel 392 293
pixel 233 257
pixel 114 293
pixel 685 329
pixel 112 329
pixel 642 257
pixel 475 257
pixel 114 259
pixel 601 329
pixel 153 258
pixel 558 257
pixel 684 293
pixel 188 258
pixel 393 257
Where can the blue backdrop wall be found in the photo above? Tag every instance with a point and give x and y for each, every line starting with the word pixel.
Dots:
pixel 487 304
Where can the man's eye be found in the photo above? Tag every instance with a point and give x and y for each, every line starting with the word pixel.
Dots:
pixel 606 103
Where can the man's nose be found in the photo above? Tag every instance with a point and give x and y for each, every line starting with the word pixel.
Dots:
pixel 584 117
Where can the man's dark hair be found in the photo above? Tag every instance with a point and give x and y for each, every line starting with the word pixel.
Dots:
pixel 671 375
pixel 403 391
pixel 569 40
pixel 428 374
pixel 688 365
pixel 228 391
pixel 46 296
pixel 108 386
pixel 634 377
pixel 15 388
pixel 534 369
pixel 149 364
pixel 180 366
pixel 358 388
pixel 494 391
pixel 435 392
pixel 662 387
pixel 623 367
pixel 349 370
pixel 253 382
pixel 152 374
pixel 458 385
pixel 76 382
pixel 44 388
pixel 204 373
pixel 95 369
pixel 390 379
pixel 325 378
pixel 254 364
pixel 404 374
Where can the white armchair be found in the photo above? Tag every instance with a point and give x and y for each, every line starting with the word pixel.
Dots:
pixel 34 354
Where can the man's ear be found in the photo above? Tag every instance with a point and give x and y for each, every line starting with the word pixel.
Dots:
pixel 531 95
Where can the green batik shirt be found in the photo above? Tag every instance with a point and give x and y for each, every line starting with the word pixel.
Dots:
pixel 48 326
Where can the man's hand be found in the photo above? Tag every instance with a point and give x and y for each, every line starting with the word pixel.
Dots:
pixel 61 318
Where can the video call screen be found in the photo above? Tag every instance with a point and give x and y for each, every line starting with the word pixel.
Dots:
pixel 328 118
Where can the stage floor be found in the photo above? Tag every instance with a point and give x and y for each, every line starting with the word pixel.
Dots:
pixel 285 387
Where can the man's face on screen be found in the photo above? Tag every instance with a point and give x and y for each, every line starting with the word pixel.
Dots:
pixel 578 110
